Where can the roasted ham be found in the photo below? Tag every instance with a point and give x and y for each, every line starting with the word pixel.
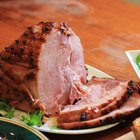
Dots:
pixel 41 68
pixel 44 69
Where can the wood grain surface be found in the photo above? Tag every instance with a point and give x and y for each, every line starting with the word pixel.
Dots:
pixel 107 28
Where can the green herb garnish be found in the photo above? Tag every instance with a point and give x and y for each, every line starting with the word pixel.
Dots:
pixel 29 119
pixel 8 109
pixel 138 61
pixel 33 119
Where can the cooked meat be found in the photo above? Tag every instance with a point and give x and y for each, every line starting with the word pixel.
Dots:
pixel 45 69
pixel 132 105
pixel 106 95
pixel 42 68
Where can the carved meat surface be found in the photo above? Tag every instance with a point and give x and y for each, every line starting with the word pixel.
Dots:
pixel 42 68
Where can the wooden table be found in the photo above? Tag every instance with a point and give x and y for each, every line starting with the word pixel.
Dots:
pixel 107 29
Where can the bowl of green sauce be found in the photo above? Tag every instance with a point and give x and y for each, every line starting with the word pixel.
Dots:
pixel 134 58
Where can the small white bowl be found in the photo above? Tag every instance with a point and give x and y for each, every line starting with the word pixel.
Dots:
pixel 132 58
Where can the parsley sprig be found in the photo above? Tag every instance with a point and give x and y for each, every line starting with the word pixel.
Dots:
pixel 30 119
pixel 33 119
pixel 8 109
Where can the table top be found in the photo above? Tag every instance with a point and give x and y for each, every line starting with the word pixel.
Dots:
pixel 107 28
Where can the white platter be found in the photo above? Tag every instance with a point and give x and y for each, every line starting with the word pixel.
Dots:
pixel 45 128
pixel 132 58
pixel 74 132
pixel 50 125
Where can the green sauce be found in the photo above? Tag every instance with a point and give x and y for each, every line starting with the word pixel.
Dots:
pixel 138 61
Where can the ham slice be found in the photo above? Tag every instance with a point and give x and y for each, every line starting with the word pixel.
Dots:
pixel 128 108
pixel 106 95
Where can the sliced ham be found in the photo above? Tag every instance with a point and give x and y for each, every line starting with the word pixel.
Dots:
pixel 130 107
pixel 106 95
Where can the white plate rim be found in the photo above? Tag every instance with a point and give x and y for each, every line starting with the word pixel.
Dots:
pixel 76 132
